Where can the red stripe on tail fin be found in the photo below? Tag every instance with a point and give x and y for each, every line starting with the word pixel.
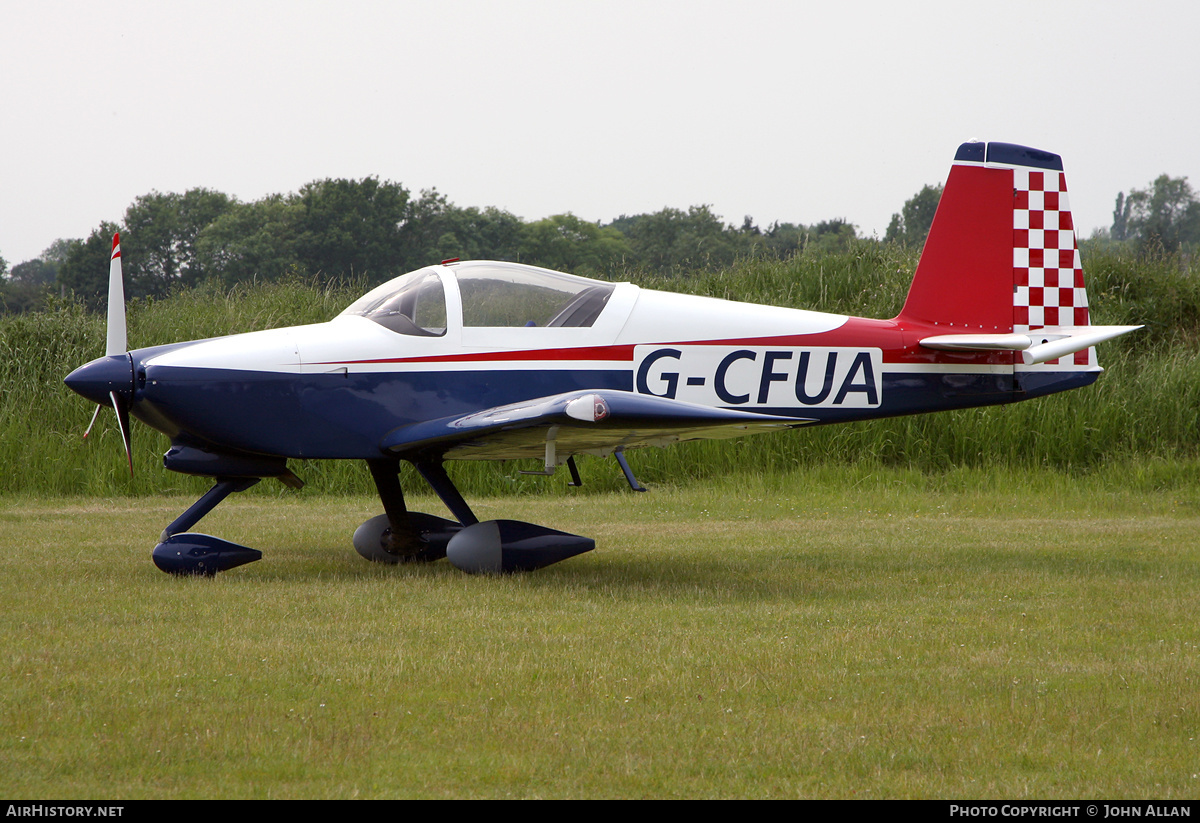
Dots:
pixel 964 280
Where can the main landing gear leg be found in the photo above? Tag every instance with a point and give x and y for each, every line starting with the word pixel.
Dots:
pixel 398 535
pixel 435 475
pixel 399 539
pixel 184 553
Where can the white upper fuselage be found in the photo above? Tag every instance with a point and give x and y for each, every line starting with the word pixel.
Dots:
pixel 632 316
pixel 457 339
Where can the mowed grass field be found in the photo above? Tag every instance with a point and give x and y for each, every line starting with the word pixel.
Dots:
pixel 855 632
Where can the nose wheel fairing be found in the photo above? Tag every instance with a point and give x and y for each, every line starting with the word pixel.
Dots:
pixel 201 554
pixel 181 552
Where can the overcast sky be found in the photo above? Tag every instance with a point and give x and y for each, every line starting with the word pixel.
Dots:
pixel 787 111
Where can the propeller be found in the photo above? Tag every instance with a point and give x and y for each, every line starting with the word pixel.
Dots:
pixel 108 381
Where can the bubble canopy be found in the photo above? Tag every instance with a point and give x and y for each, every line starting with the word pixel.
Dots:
pixel 491 294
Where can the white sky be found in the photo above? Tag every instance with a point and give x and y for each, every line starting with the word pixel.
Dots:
pixel 788 111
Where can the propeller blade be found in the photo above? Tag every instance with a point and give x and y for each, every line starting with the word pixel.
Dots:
pixel 122 409
pixel 95 414
pixel 117 343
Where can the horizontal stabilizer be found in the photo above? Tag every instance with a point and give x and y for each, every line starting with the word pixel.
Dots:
pixel 1078 340
pixel 978 342
pixel 1036 346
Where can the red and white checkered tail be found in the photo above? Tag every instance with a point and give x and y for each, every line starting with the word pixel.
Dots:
pixel 1001 268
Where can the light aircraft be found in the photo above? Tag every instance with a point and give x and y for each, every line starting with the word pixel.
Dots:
pixel 499 361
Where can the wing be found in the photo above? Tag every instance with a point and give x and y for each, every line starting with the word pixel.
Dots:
pixel 583 422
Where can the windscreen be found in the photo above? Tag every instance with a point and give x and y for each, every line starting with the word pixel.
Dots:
pixel 413 304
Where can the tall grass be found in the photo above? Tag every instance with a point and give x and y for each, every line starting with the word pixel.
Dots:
pixel 1144 408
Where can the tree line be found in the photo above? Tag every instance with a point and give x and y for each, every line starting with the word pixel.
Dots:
pixel 371 230
pixel 1164 217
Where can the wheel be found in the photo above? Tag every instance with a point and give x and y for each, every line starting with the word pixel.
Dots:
pixel 431 535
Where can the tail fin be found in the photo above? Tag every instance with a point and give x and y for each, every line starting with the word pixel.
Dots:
pixel 1001 259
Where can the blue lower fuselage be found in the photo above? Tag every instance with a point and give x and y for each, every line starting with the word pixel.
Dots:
pixel 346 415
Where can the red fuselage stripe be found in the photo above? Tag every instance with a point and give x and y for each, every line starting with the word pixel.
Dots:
pixel 856 332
